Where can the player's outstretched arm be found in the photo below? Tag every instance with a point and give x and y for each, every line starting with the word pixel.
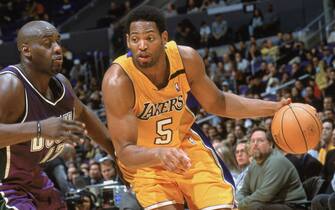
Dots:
pixel 12 110
pixel 119 99
pixel 96 129
pixel 213 100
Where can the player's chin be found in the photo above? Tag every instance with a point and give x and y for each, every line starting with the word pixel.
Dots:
pixel 145 64
pixel 56 70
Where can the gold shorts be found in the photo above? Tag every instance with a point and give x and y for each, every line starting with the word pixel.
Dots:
pixel 206 185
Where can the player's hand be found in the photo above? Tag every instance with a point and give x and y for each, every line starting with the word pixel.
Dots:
pixel 58 128
pixel 174 160
pixel 283 102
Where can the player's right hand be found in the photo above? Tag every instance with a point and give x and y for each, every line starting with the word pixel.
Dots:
pixel 58 128
pixel 174 160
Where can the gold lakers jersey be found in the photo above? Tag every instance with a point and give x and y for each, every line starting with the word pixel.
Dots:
pixel 163 117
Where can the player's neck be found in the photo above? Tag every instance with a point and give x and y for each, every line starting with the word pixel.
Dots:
pixel 159 73
pixel 40 81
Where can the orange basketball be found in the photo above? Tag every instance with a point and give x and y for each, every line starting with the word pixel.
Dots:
pixel 296 128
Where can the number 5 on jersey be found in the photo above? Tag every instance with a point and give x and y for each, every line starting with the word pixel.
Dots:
pixel 164 134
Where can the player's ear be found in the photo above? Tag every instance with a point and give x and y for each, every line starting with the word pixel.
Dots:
pixel 25 50
pixel 165 37
pixel 127 37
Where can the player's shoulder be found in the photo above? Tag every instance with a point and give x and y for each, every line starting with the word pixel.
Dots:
pixel 118 91
pixel 191 58
pixel 187 53
pixel 61 77
pixel 192 61
pixel 63 80
pixel 12 94
pixel 278 159
pixel 10 81
pixel 115 76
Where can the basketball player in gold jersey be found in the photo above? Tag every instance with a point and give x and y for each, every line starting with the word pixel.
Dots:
pixel 161 152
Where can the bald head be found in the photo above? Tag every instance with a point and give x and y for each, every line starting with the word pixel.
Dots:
pixel 32 31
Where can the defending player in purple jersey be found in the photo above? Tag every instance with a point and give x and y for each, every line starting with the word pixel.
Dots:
pixel 38 112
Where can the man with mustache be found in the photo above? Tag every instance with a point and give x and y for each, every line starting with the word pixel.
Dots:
pixel 39 112
pixel 271 181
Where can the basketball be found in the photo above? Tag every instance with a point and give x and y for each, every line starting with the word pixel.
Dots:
pixel 296 128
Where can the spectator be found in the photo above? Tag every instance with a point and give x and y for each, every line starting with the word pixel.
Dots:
pixel 225 151
pixel 331 37
pixel 243 49
pixel 239 132
pixel 328 57
pixel 328 103
pixel 256 22
pixel 205 33
pixel 328 168
pixel 270 52
pixel 330 89
pixel 171 10
pixel 95 104
pixel 206 4
pixel 76 71
pixel 212 133
pixel 271 181
pixel 95 173
pixel 306 165
pixel 243 160
pixel 326 201
pixel 108 170
pixel 84 168
pixel 192 7
pixel 253 53
pixel 286 49
pixel 72 173
pixel 271 21
pixel 242 64
pixel 326 136
pixel 272 86
pixel 296 95
pixel 185 29
pixel 311 99
pixel 219 30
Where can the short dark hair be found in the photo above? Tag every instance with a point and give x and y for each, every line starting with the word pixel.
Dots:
pixel 107 161
pixel 241 141
pixel 147 13
pixel 268 133
pixel 328 120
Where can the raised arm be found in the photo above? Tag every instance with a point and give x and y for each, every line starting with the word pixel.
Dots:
pixel 12 109
pixel 221 103
pixel 119 99
pixel 96 129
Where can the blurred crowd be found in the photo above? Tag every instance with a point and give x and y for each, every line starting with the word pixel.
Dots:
pixel 15 13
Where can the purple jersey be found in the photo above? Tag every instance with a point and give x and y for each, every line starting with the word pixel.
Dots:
pixel 20 164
